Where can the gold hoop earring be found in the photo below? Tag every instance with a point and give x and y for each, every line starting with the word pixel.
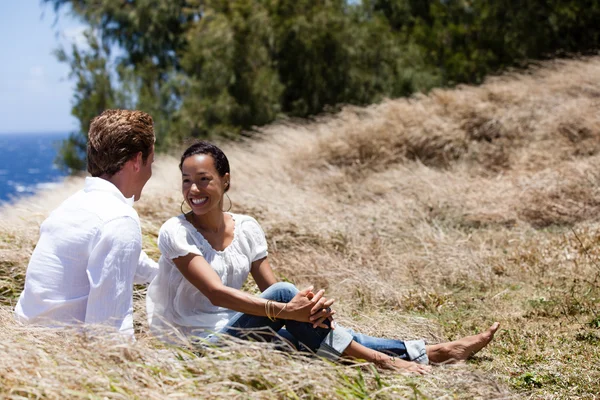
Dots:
pixel 181 207
pixel 230 203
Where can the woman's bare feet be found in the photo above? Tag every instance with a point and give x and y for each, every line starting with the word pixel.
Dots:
pixel 461 349
pixel 408 366
pixel 357 351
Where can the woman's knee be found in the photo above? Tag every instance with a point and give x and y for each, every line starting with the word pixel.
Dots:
pixel 280 291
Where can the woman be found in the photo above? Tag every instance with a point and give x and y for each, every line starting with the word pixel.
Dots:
pixel 207 255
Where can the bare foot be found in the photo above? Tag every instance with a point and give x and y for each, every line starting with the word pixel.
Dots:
pixel 408 366
pixel 461 349
pixel 357 351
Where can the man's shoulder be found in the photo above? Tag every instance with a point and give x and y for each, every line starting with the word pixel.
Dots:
pixel 94 206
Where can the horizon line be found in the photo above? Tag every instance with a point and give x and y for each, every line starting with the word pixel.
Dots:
pixel 35 132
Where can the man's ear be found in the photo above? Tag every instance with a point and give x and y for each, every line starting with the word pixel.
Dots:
pixel 138 161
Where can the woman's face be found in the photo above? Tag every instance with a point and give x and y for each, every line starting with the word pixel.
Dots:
pixel 202 186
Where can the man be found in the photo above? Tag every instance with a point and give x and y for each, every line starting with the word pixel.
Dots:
pixel 89 254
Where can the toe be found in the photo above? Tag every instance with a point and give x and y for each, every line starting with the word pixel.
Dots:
pixel 494 328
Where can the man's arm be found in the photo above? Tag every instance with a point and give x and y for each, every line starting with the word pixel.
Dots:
pixel 111 269
pixel 146 270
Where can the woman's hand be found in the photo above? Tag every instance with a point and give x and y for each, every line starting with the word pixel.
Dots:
pixel 308 307
pixel 321 311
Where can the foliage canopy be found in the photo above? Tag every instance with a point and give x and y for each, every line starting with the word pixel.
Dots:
pixel 220 67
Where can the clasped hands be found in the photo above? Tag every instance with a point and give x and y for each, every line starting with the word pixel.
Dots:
pixel 313 308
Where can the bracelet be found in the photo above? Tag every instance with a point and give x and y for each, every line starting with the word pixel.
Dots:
pixel 272 318
pixel 280 311
pixel 269 310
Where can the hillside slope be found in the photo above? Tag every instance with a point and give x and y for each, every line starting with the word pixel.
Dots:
pixel 424 217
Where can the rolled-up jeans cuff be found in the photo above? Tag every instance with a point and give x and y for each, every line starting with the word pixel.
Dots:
pixel 416 351
pixel 335 343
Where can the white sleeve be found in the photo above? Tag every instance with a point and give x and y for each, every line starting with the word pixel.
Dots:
pixel 111 268
pixel 174 241
pixel 146 270
pixel 258 241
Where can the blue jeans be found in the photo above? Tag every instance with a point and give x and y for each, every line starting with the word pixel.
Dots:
pixel 301 335
pixel 410 350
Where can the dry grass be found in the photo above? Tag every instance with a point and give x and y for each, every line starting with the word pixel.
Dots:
pixel 424 217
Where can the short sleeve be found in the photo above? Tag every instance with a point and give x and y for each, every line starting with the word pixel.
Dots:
pixel 176 240
pixel 256 237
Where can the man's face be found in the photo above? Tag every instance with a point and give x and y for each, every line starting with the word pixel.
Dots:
pixel 144 174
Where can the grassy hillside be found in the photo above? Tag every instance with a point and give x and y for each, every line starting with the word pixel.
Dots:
pixel 424 217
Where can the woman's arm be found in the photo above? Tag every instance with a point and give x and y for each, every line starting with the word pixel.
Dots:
pixel 200 274
pixel 263 274
pixel 264 277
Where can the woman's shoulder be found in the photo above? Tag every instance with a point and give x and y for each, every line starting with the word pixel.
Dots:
pixel 176 238
pixel 173 225
pixel 244 220
pixel 248 226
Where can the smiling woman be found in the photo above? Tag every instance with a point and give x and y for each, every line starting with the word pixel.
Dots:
pixel 206 256
pixel 202 188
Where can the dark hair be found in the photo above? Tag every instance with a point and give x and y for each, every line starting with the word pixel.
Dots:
pixel 202 147
pixel 115 137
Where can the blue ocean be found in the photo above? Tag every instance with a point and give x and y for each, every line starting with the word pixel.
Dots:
pixel 27 163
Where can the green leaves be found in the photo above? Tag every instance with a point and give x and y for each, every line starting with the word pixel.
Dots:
pixel 218 67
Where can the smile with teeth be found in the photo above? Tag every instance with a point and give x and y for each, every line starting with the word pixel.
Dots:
pixel 200 201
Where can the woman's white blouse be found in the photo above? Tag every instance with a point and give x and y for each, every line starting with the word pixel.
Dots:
pixel 173 302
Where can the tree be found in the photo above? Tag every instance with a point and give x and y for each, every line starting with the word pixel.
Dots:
pixel 94 93
pixel 220 67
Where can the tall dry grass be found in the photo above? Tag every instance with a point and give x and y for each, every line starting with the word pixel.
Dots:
pixel 424 217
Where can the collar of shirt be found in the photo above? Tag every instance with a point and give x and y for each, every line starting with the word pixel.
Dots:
pixel 99 184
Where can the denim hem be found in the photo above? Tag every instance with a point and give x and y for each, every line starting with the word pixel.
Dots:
pixel 334 343
pixel 416 351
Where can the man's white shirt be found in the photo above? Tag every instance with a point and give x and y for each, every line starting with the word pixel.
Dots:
pixel 86 262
